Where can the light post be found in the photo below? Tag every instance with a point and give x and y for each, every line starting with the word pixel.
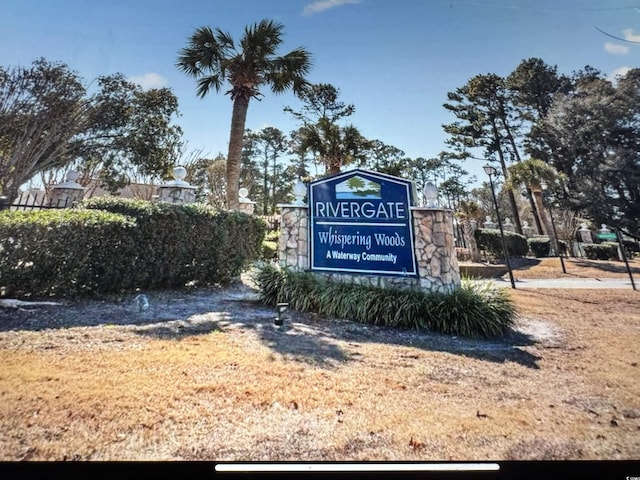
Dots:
pixel 491 171
pixel 556 247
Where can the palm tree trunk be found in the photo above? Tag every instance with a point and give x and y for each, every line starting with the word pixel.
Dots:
pixel 333 165
pixel 505 172
pixel 537 196
pixel 470 239
pixel 534 210
pixel 234 157
pixel 516 154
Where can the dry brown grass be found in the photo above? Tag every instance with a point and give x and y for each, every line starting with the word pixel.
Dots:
pixel 576 268
pixel 224 385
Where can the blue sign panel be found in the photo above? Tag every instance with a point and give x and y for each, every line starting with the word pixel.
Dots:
pixel 361 223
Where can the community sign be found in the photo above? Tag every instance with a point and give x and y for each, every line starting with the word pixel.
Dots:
pixel 361 223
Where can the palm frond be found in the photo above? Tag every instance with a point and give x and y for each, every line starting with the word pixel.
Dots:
pixel 205 52
pixel 225 41
pixel 262 39
pixel 288 71
pixel 205 84
pixel 211 56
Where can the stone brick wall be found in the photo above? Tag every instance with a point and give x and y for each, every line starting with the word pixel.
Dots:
pixel 435 249
pixel 293 249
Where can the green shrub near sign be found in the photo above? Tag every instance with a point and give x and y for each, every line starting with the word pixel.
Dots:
pixel 489 240
pixel 64 252
pixel 478 310
pixel 117 245
pixel 188 243
pixel 270 245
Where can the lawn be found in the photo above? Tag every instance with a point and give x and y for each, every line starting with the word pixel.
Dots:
pixel 206 375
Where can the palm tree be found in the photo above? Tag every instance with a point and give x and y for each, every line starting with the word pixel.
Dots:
pixel 212 57
pixel 333 145
pixel 469 210
pixel 533 173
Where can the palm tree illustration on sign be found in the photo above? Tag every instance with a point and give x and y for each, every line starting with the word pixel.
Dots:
pixel 357 187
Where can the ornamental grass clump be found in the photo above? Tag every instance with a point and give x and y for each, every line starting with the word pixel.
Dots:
pixel 476 309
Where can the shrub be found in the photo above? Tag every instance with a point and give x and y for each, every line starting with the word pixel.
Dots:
pixel 270 245
pixel 601 251
pixel 489 240
pixel 539 246
pixel 563 247
pixel 631 247
pixel 65 252
pixel 272 236
pixel 269 250
pixel 188 243
pixel 475 310
pixel 115 245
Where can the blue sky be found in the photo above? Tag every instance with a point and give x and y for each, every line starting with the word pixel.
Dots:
pixel 395 60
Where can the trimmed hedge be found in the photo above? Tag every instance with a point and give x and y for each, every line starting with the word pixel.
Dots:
pixel 477 310
pixel 269 250
pixel 178 244
pixel 539 246
pixel 64 252
pixel 488 239
pixel 123 245
pixel 601 251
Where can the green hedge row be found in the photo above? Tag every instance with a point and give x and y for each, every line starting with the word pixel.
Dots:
pixel 116 245
pixel 63 252
pixel 479 310
pixel 488 239
pixel 541 246
pixel 601 251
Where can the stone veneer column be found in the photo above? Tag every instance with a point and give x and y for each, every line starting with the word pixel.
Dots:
pixel 293 247
pixel 435 249
pixel 177 190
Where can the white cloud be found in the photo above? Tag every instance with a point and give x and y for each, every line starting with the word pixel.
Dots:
pixel 630 36
pixel 322 5
pixel 618 72
pixel 149 80
pixel 616 48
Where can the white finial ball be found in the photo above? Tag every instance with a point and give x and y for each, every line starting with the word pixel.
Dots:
pixel 72 176
pixel 243 192
pixel 179 173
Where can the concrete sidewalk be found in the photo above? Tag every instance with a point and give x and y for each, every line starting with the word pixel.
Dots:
pixel 606 283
